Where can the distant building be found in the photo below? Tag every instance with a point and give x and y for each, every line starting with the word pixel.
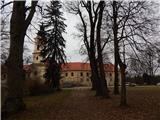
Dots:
pixel 80 73
pixel 77 73
pixel 72 73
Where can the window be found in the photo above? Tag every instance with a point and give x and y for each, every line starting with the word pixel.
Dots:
pixel 66 74
pixel 37 58
pixel 35 73
pixel 87 74
pixel 72 74
pixel 37 47
pixel 87 79
pixel 81 74
pixel 110 74
pixel 4 76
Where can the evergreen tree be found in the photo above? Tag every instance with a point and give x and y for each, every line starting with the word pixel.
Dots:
pixel 53 47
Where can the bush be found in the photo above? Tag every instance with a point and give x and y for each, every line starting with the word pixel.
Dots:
pixel 34 87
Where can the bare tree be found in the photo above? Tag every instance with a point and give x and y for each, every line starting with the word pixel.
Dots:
pixel 94 15
pixel 147 61
pixel 18 26
pixel 133 23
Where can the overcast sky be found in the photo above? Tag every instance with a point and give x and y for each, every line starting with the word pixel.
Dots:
pixel 72 42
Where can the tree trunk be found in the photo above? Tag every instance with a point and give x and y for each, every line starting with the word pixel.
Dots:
pixel 116 79
pixel 14 62
pixel 99 51
pixel 115 32
pixel 93 81
pixel 95 75
pixel 92 56
pixel 18 26
pixel 123 85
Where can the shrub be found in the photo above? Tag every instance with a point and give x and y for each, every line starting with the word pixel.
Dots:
pixel 34 87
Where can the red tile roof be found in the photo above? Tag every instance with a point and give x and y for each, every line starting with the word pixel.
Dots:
pixel 76 66
pixel 79 66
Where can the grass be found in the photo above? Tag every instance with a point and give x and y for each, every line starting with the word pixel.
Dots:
pixel 41 107
pixel 144 104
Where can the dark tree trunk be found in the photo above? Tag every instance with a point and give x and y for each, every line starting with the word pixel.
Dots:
pixel 14 63
pixel 99 51
pixel 93 81
pixel 116 79
pixel 14 101
pixel 123 87
pixel 95 75
pixel 118 60
pixel 115 32
pixel 91 47
pixel 92 51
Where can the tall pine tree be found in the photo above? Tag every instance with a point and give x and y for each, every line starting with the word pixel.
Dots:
pixel 53 48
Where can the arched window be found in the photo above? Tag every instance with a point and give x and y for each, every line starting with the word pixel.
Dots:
pixel 37 58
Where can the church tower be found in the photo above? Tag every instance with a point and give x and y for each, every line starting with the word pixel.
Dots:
pixel 37 67
pixel 36 54
pixel 39 40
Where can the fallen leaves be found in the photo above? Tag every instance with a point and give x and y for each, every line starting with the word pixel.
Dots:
pixel 80 104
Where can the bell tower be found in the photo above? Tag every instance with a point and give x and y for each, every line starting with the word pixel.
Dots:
pixel 39 40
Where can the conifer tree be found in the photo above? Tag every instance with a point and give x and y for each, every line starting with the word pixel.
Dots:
pixel 53 47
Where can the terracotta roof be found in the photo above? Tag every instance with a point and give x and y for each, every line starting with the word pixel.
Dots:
pixel 79 66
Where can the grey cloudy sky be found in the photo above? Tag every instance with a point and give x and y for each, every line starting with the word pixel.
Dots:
pixel 72 42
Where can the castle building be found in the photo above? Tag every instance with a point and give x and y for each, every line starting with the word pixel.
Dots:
pixel 76 73
pixel 80 73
